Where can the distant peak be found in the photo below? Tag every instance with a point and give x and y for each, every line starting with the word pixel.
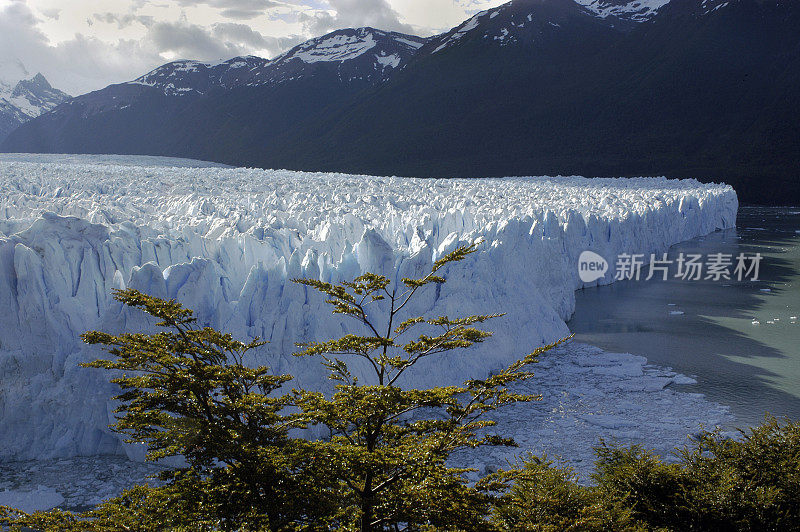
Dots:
pixel 36 84
pixel 41 81
pixel 346 44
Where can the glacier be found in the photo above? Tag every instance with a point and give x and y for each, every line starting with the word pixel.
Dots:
pixel 227 241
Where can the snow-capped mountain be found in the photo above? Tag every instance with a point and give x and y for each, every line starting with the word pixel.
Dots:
pixel 25 99
pixel 198 109
pixel 363 53
pixel 529 23
pixel 182 78
pixel 685 88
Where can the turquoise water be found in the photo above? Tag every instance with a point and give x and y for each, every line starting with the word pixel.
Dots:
pixel 754 368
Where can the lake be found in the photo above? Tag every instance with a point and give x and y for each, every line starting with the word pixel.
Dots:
pixel 739 340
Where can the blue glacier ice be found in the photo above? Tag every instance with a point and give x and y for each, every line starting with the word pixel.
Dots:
pixel 226 242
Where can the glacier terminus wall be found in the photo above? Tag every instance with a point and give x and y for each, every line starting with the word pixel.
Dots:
pixel 226 242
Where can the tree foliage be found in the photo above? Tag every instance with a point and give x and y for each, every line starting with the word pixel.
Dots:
pixel 386 462
pixel 187 393
pixel 747 483
pixel 391 444
pixel 537 495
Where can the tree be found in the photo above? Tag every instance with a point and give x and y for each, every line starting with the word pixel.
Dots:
pixel 750 482
pixel 536 495
pixel 186 392
pixel 388 445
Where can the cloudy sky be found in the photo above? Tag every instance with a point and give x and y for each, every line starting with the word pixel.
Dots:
pixel 83 45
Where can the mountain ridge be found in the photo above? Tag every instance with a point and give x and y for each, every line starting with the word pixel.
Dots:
pixel 684 88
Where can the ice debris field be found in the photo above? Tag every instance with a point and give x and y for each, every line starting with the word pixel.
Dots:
pixel 227 241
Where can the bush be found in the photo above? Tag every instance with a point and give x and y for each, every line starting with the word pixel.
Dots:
pixel 749 483
pixel 546 498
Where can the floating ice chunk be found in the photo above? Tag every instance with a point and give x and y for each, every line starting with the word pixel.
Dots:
pixel 608 422
pixel 676 313
pixel 40 499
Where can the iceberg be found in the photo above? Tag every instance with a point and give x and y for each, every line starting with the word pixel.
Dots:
pixel 226 242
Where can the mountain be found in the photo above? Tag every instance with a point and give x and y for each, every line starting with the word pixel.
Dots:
pixel 226 111
pixel 23 100
pixel 695 88
pixel 365 54
pixel 684 88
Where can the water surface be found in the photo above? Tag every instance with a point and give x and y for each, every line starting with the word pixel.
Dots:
pixel 708 329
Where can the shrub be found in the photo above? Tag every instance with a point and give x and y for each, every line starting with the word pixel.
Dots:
pixel 538 496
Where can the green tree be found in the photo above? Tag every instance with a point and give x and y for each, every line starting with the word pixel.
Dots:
pixel 536 495
pixel 751 482
pixel 186 392
pixel 389 445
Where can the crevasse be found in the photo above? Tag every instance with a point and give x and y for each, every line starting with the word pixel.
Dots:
pixel 226 242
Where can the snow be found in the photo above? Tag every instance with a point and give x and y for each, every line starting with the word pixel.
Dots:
pixel 334 48
pixel 388 61
pixel 709 6
pixel 502 36
pixel 463 29
pixel 411 44
pixel 638 10
pixel 22 106
pixel 225 241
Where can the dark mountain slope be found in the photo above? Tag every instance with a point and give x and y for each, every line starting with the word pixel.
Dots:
pixel 694 93
pixel 683 88
pixel 223 111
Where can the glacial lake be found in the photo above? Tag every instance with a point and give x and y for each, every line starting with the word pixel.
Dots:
pixel 737 339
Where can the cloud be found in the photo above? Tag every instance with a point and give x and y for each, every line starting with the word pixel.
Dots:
pixel 123 20
pixel 85 62
pixel 54 13
pixel 77 65
pixel 79 49
pixel 378 14
pixel 222 41
pixel 247 37
pixel 189 41
pixel 236 9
